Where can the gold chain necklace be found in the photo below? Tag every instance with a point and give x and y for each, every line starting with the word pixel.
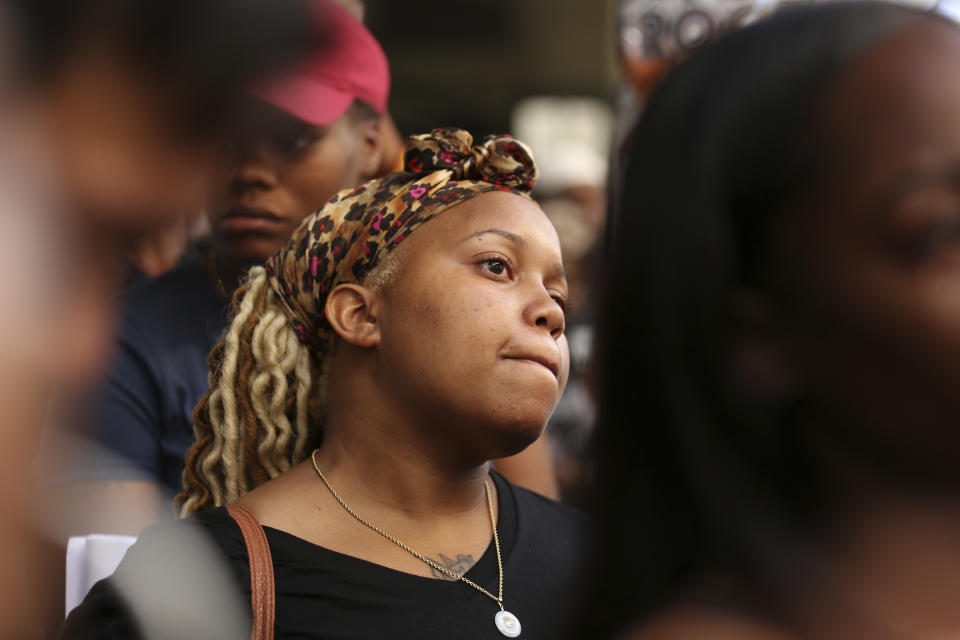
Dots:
pixel 506 622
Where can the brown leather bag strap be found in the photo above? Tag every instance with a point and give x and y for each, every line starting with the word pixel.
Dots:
pixel 262 596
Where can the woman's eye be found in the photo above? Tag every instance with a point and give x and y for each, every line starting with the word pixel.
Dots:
pixel 295 141
pixel 302 142
pixel 561 302
pixel 943 234
pixel 496 267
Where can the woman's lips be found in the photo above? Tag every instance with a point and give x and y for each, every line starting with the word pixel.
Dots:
pixel 547 363
pixel 243 220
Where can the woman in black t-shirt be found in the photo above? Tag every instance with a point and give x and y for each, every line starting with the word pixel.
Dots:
pixel 369 375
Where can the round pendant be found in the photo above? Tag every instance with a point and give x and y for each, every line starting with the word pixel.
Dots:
pixel 507 623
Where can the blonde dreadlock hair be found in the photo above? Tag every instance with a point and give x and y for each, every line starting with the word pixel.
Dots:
pixel 265 409
pixel 265 391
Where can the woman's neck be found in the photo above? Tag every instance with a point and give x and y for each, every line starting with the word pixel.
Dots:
pixel 224 271
pixel 889 558
pixel 377 447
pixel 895 563
pixel 442 514
pixel 384 467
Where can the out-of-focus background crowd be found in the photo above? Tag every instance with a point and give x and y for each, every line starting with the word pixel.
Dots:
pixel 122 119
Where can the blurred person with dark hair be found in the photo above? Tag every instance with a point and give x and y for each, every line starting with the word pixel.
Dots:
pixel 408 333
pixel 780 340
pixel 101 103
pixel 305 135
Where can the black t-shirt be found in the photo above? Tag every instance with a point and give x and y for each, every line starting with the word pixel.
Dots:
pixel 142 415
pixel 325 594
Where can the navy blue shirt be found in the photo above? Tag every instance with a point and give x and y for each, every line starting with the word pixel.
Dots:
pixel 143 411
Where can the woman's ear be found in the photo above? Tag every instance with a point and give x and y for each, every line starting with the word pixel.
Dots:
pixel 371 148
pixel 350 311
pixel 762 366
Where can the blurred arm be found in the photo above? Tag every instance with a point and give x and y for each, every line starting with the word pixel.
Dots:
pixel 122 507
pixel 108 476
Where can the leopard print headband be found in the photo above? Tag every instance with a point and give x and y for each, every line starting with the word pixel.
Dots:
pixel 347 238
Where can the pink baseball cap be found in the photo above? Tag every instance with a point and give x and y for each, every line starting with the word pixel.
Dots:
pixel 350 65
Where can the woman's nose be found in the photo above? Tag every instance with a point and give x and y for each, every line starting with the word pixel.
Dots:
pixel 544 311
pixel 253 170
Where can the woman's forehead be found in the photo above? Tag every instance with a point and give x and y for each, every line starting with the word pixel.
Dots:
pixel 896 112
pixel 499 213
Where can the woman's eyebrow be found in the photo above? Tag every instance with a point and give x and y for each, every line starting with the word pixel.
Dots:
pixel 905 184
pixel 560 272
pixel 512 237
